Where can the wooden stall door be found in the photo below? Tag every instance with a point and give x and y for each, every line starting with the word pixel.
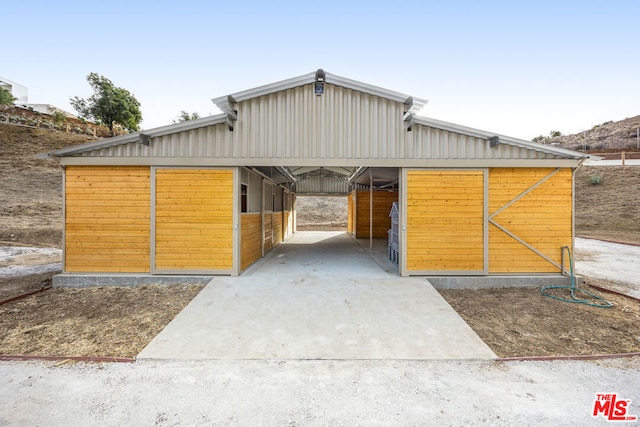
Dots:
pixel 445 222
pixel 530 219
pixel 194 220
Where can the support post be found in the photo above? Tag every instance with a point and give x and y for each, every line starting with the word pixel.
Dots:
pixel 370 210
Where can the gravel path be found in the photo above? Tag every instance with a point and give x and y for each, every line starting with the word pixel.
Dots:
pixel 296 393
pixel 610 261
pixel 22 261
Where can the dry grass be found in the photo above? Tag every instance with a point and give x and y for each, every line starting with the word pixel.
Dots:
pixel 521 322
pixel 609 210
pixel 30 188
pixel 100 321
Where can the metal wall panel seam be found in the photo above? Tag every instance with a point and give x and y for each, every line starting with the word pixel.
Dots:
pixel 402 235
pixel 237 227
pixel 486 221
pixel 64 219
pixel 152 219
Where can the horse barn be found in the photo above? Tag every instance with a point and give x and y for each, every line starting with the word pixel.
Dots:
pixel 214 195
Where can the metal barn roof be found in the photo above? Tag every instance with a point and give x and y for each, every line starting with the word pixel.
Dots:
pixel 326 139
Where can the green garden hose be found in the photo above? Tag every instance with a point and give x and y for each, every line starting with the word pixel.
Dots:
pixel 599 301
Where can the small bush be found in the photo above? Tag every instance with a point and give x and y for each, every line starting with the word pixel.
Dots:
pixel 596 179
pixel 59 117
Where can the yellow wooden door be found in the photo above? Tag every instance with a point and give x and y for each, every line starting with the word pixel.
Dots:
pixel 445 222
pixel 107 210
pixel 530 219
pixel 194 220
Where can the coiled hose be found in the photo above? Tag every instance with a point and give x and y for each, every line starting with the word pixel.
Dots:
pixel 599 301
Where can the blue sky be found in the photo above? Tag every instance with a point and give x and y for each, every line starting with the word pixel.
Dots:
pixel 516 68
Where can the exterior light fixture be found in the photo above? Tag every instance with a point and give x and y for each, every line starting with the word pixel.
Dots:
pixel 318 86
pixel 144 139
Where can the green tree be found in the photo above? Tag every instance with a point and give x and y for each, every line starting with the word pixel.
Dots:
pixel 109 105
pixel 6 98
pixel 184 116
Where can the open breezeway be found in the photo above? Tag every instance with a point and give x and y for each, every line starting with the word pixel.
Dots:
pixel 318 296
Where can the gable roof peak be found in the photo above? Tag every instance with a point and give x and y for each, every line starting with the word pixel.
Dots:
pixel 225 102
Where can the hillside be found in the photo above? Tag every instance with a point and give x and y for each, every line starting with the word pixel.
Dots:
pixel 31 189
pixel 609 210
pixel 608 136
pixel 321 213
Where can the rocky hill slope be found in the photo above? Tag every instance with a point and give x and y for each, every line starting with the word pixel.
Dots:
pixel 609 136
pixel 30 188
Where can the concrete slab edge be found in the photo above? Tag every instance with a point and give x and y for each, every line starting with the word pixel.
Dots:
pixel 577 357
pixel 611 291
pixel 320 359
pixel 97 359
pixel 480 282
pixel 89 280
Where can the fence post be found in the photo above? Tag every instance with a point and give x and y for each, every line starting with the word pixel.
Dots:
pixel 622 157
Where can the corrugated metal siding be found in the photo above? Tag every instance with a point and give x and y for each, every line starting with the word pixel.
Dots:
pixel 342 124
pixel 432 143
pixel 322 185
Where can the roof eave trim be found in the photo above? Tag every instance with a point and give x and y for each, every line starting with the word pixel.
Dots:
pixel 132 137
pixel 418 103
pixel 266 89
pixel 452 127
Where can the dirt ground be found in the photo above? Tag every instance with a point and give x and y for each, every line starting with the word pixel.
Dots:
pixel 12 286
pixel 521 322
pixel 610 210
pixel 100 321
pixel 121 321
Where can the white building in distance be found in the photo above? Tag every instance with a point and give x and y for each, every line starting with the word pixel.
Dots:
pixel 16 89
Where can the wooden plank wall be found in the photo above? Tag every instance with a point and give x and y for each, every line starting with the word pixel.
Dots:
pixel 542 218
pixel 276 223
pixel 350 212
pixel 268 231
pixel 445 220
pixel 107 222
pixel 288 221
pixel 194 219
pixel 382 202
pixel 250 242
